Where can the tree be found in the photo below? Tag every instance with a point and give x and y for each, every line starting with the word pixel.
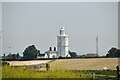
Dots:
pixel 117 53
pixel 11 56
pixel 113 52
pixel 30 52
pixel 18 56
pixel 73 54
pixel 3 56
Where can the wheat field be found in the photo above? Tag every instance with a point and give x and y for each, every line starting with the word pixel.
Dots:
pixel 84 64
pixel 27 63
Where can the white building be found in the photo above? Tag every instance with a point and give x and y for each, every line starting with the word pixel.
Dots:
pixel 48 54
pixel 62 44
pixel 41 56
pixel 51 53
pixel 62 47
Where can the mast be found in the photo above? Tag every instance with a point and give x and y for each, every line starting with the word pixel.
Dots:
pixel 97 45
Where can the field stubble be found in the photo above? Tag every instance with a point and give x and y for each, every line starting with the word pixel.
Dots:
pixel 84 64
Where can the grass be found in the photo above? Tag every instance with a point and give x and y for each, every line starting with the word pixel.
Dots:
pixel 26 72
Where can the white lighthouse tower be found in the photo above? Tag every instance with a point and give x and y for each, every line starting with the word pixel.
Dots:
pixel 62 44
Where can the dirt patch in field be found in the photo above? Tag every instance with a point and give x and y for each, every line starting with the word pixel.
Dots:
pixel 27 63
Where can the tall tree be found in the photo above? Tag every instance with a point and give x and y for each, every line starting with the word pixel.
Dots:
pixel 73 54
pixel 30 52
pixel 113 52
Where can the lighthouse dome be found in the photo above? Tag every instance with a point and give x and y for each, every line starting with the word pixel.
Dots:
pixel 62 31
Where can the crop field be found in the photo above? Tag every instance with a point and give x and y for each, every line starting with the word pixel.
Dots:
pixel 84 64
pixel 88 68
pixel 27 63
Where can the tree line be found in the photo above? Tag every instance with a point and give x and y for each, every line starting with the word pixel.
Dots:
pixel 31 52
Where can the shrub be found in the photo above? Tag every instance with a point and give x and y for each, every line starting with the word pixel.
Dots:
pixel 5 63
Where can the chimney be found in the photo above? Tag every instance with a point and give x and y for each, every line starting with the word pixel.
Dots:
pixel 54 48
pixel 50 48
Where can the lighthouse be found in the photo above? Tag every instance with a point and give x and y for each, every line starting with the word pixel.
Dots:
pixel 62 44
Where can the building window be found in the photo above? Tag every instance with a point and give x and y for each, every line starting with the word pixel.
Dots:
pixel 53 56
pixel 66 39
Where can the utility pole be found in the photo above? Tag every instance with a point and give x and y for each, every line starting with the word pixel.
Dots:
pixel 97 45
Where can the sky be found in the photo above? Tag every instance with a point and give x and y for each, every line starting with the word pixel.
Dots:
pixel 119 25
pixel 0 16
pixel 60 0
pixel 38 23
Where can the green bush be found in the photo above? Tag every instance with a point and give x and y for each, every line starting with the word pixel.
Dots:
pixel 5 63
